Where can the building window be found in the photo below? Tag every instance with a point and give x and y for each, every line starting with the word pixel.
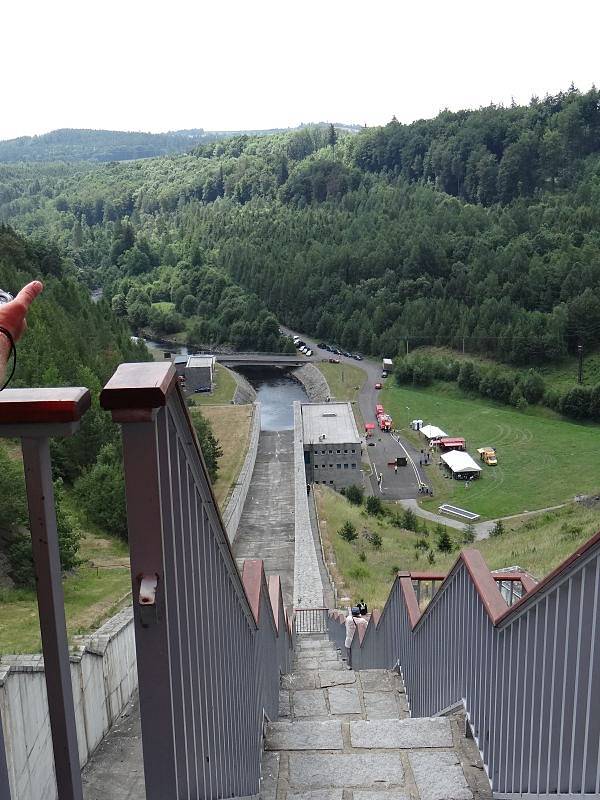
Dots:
pixel 353 466
pixel 330 481
pixel 354 451
pixel 331 452
pixel 339 466
pixel 316 466
pixel 345 466
pixel 338 452
pixel 345 451
pixel 323 452
pixel 331 466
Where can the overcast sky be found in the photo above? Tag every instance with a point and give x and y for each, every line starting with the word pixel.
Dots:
pixel 232 64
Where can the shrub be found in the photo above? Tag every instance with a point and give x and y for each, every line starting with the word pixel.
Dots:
pixel 374 506
pixel 348 531
pixel 359 572
pixel 374 539
pixel 362 556
pixel 576 402
pixel 395 570
pixel 498 529
pixel 431 557
pixel 422 545
pixel 532 386
pixel 468 534
pixel 410 521
pixel 100 491
pixel 354 495
pixel 444 542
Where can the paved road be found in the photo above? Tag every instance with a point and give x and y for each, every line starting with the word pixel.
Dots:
pixel 405 484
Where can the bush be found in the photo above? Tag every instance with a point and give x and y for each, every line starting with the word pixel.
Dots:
pixel 422 545
pixel 348 531
pixel 362 556
pixel 444 542
pixel 359 572
pixel 468 534
pixel 374 539
pixel 20 554
pixel 374 506
pixel 211 449
pixel 576 402
pixel 409 520
pixel 532 386
pixel 498 529
pixel 354 495
pixel 431 557
pixel 101 492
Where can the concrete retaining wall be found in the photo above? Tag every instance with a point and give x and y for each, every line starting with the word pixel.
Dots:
pixel 314 382
pixel 235 506
pixel 308 588
pixel 104 677
pixel 244 391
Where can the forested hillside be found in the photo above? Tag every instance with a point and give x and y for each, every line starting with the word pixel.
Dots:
pixel 478 230
pixel 69 144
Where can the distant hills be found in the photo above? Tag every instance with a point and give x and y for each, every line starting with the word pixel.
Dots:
pixel 77 144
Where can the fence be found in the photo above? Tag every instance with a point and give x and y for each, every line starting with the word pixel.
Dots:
pixel 528 675
pixel 209 647
pixel 310 620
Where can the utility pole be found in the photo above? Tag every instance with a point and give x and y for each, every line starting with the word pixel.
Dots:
pixel 463 345
pixel 407 345
pixel 580 354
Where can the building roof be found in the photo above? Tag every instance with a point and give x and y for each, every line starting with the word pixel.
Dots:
pixel 449 441
pixel 333 421
pixel 432 432
pixel 201 361
pixel 459 461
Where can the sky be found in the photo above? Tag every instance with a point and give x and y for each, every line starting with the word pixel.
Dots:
pixel 227 64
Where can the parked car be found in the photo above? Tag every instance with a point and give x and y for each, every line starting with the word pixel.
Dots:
pixel 378 386
pixel 336 351
pixel 309 352
pixel 358 356
pixel 334 361
pixel 322 345
pixel 384 374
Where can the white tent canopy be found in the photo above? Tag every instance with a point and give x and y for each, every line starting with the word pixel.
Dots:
pixel 459 461
pixel 432 432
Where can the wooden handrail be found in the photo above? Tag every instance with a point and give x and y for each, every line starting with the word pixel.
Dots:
pixel 139 385
pixel 46 406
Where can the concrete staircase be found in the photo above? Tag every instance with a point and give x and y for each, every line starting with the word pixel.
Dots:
pixel 346 735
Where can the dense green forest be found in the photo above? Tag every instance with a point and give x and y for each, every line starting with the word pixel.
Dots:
pixel 70 341
pixel 477 229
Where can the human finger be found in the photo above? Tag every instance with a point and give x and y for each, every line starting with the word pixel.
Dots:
pixel 28 294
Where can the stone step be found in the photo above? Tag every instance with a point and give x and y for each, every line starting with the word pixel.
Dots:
pixel 345 770
pixel 399 734
pixel 313 735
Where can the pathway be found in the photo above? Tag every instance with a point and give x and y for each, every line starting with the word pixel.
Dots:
pixel 266 528
pixel 346 735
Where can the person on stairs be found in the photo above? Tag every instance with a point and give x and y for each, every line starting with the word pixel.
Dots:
pixel 352 620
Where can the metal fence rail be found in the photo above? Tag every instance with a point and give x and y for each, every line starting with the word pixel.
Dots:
pixel 311 620
pixel 210 646
pixel 35 416
pixel 528 675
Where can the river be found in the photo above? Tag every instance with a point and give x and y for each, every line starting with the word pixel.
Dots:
pixel 276 392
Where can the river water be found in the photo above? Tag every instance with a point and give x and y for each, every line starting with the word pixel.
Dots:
pixel 276 392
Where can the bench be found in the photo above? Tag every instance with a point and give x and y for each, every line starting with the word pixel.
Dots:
pixel 445 508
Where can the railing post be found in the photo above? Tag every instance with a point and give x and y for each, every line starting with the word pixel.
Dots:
pixel 34 415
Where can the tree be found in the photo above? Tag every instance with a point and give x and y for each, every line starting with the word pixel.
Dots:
pixel 211 449
pixel 348 531
pixel 498 528
pixel 468 534
pixel 409 520
pixel 374 506
pixel 575 402
pixel 444 542
pixel 332 139
pixel 355 495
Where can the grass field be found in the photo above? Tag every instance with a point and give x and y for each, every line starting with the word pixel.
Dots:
pixel 537 544
pixel 543 460
pixel 231 426
pixel 95 592
pixel 223 391
pixel 345 380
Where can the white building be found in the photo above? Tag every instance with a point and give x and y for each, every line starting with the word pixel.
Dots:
pixel 332 445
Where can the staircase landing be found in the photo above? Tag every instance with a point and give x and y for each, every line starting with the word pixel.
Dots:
pixel 345 735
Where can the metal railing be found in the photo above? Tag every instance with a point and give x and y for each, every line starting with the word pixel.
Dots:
pixel 210 645
pixel 35 416
pixel 310 620
pixel 527 675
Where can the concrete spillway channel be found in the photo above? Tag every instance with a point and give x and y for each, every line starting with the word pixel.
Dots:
pixel 266 528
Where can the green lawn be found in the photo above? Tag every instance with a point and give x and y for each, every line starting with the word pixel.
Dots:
pixel 543 460
pixel 537 544
pixel 231 425
pixel 345 380
pixel 223 391
pixel 92 594
pixel 164 306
